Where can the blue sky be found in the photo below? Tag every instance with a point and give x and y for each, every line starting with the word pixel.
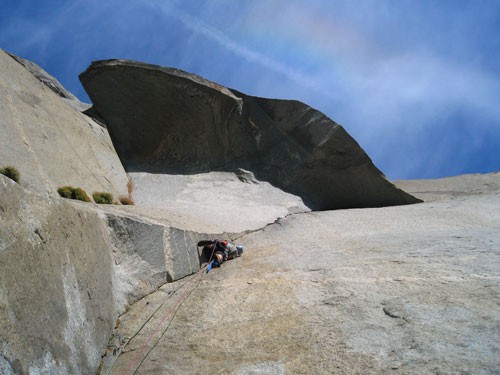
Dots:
pixel 415 82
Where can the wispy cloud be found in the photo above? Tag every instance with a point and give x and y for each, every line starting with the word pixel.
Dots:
pixel 434 113
pixel 419 80
pixel 426 85
pixel 204 29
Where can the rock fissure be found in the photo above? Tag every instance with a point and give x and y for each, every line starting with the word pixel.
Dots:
pixel 391 314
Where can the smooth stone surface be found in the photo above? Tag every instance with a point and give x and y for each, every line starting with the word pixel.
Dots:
pixel 68 269
pixel 404 290
pixel 49 141
pixel 58 300
pixel 215 201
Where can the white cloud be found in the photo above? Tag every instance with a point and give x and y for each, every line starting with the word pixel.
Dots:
pixel 424 87
pixel 392 75
pixel 200 27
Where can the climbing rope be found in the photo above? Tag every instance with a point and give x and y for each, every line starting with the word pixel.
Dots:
pixel 171 311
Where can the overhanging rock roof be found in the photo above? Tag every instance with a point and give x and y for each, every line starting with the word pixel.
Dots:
pixel 164 120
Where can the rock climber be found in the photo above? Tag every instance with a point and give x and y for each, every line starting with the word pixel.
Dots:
pixel 221 250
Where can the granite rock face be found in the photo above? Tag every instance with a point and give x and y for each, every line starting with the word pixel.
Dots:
pixel 68 269
pixel 47 139
pixel 216 201
pixel 394 290
pixel 164 120
pixel 51 82
pixel 56 284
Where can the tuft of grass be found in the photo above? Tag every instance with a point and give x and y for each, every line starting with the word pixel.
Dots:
pixel 102 197
pixel 11 173
pixel 81 195
pixel 126 200
pixel 65 191
pixel 130 187
pixel 70 192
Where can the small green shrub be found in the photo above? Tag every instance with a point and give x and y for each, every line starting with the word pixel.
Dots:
pixel 102 197
pixel 126 200
pixel 81 195
pixel 73 193
pixel 65 192
pixel 11 173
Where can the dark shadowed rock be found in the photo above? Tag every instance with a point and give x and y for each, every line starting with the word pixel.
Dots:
pixel 164 120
